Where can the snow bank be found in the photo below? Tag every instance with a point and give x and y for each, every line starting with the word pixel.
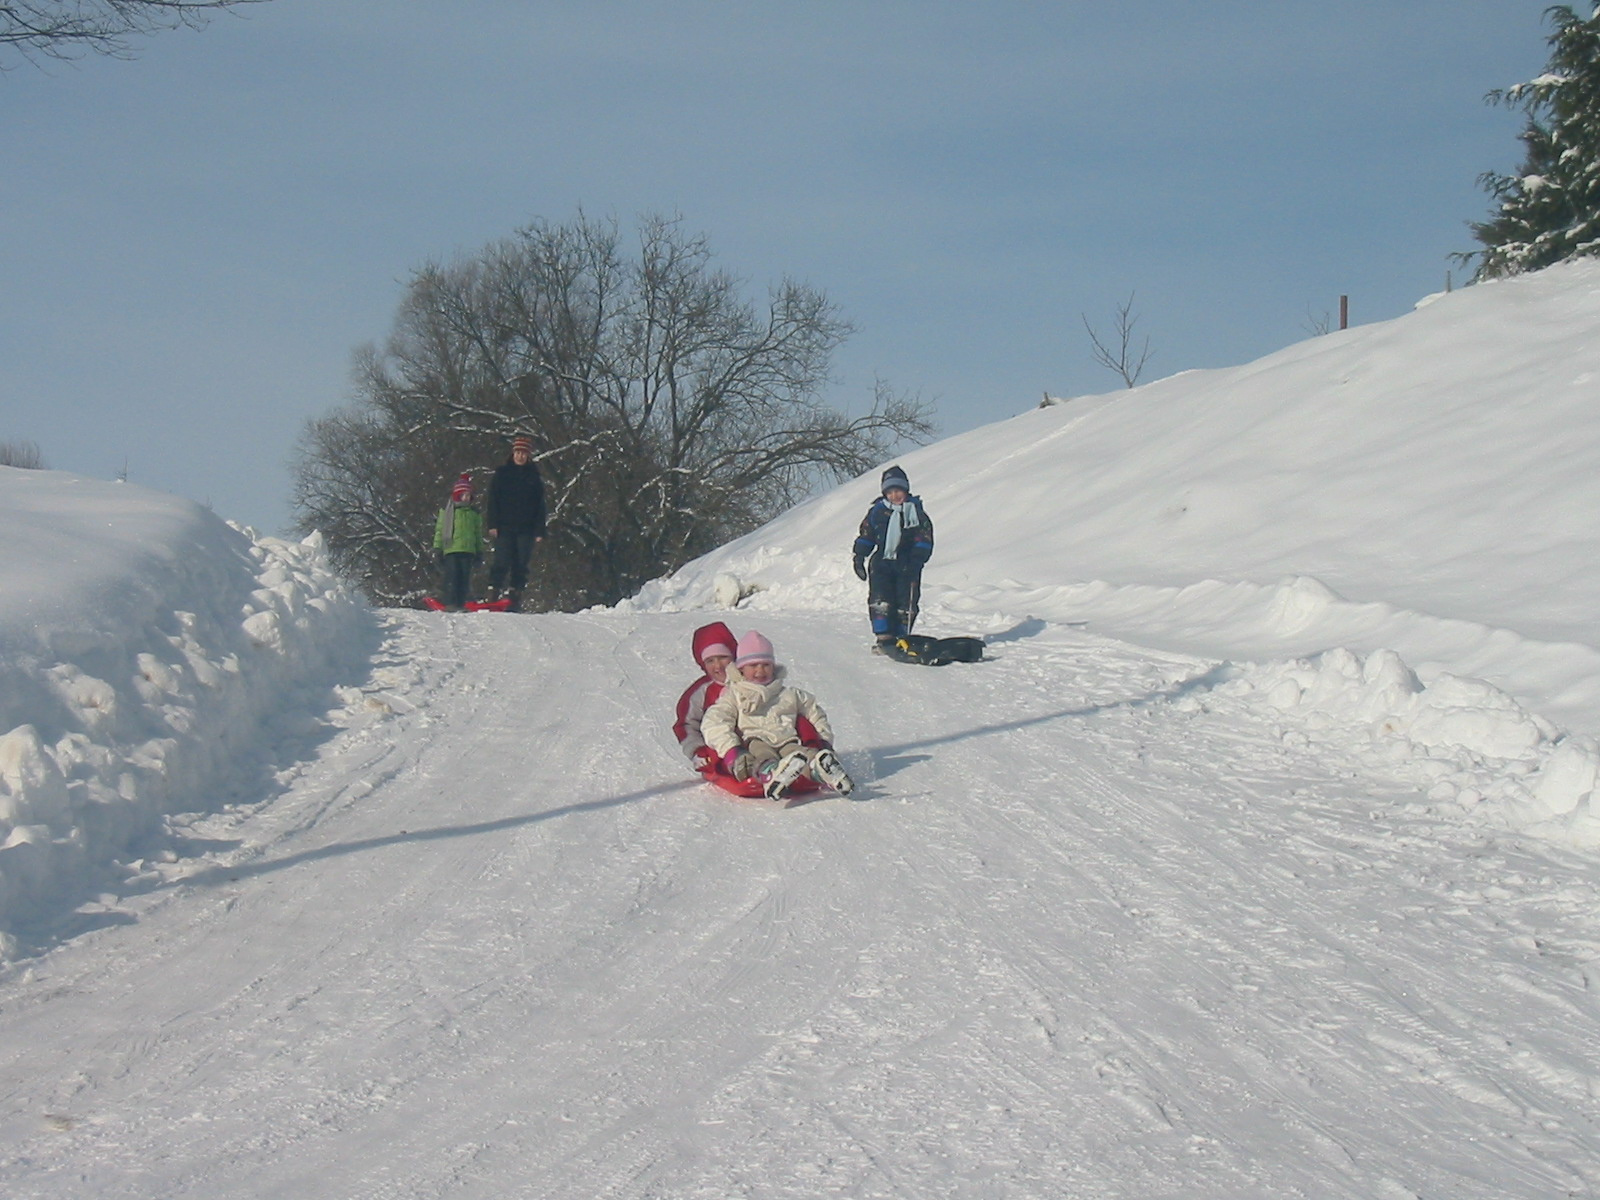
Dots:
pixel 1462 743
pixel 151 658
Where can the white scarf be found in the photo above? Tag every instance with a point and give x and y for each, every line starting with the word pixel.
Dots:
pixel 901 517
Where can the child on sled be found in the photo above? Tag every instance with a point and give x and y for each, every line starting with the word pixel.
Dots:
pixel 712 646
pixel 755 725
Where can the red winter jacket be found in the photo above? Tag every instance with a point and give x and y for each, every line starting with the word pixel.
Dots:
pixel 697 697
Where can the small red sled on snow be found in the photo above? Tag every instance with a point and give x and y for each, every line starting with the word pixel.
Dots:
pixel 751 788
pixel 502 605
pixel 793 776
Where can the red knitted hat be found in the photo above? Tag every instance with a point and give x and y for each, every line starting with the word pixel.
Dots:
pixel 461 493
pixel 715 638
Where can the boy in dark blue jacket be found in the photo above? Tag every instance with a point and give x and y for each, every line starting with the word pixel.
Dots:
pixel 895 541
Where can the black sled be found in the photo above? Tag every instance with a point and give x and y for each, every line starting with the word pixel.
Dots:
pixel 932 651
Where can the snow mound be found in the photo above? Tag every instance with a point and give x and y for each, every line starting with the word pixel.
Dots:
pixel 1461 742
pixel 151 658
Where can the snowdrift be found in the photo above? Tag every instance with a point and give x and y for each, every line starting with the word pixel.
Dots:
pixel 1388 531
pixel 152 657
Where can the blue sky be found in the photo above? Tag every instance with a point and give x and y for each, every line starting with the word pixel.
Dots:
pixel 193 242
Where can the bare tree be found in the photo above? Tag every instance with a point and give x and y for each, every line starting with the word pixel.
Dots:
pixel 1317 324
pixel 21 454
pixel 670 413
pixel 375 494
pixel 1118 353
pixel 65 29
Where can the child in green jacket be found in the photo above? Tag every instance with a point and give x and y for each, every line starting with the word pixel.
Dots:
pixel 458 541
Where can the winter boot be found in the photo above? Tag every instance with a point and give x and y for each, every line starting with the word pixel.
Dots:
pixel 826 768
pixel 515 595
pixel 789 768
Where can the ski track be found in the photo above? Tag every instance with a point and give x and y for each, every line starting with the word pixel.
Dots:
pixel 1075 936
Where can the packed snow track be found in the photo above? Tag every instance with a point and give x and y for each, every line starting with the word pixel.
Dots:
pixel 1087 928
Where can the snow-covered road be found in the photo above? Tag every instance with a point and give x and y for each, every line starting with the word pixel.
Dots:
pixel 1089 928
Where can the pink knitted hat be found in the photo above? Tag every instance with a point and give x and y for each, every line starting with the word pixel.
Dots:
pixel 753 648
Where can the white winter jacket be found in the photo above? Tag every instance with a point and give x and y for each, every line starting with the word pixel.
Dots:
pixel 747 710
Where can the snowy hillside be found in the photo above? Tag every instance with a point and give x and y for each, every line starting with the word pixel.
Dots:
pixel 1418 497
pixel 1443 464
pixel 1258 860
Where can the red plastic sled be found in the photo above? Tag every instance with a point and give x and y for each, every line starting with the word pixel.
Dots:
pixel 751 788
pixel 472 605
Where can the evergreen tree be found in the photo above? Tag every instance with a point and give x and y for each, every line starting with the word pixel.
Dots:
pixel 1549 211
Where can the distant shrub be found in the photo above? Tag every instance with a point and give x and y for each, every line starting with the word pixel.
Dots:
pixel 21 454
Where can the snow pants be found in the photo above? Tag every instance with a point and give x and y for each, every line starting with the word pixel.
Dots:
pixel 765 756
pixel 893 590
pixel 512 549
pixel 457 572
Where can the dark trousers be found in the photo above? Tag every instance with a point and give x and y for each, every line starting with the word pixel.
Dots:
pixel 893 591
pixel 512 549
pixel 457 572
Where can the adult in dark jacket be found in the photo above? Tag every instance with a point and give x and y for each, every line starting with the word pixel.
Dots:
pixel 893 545
pixel 515 519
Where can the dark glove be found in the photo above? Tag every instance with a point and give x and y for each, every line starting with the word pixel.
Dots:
pixel 860 564
pixel 740 764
